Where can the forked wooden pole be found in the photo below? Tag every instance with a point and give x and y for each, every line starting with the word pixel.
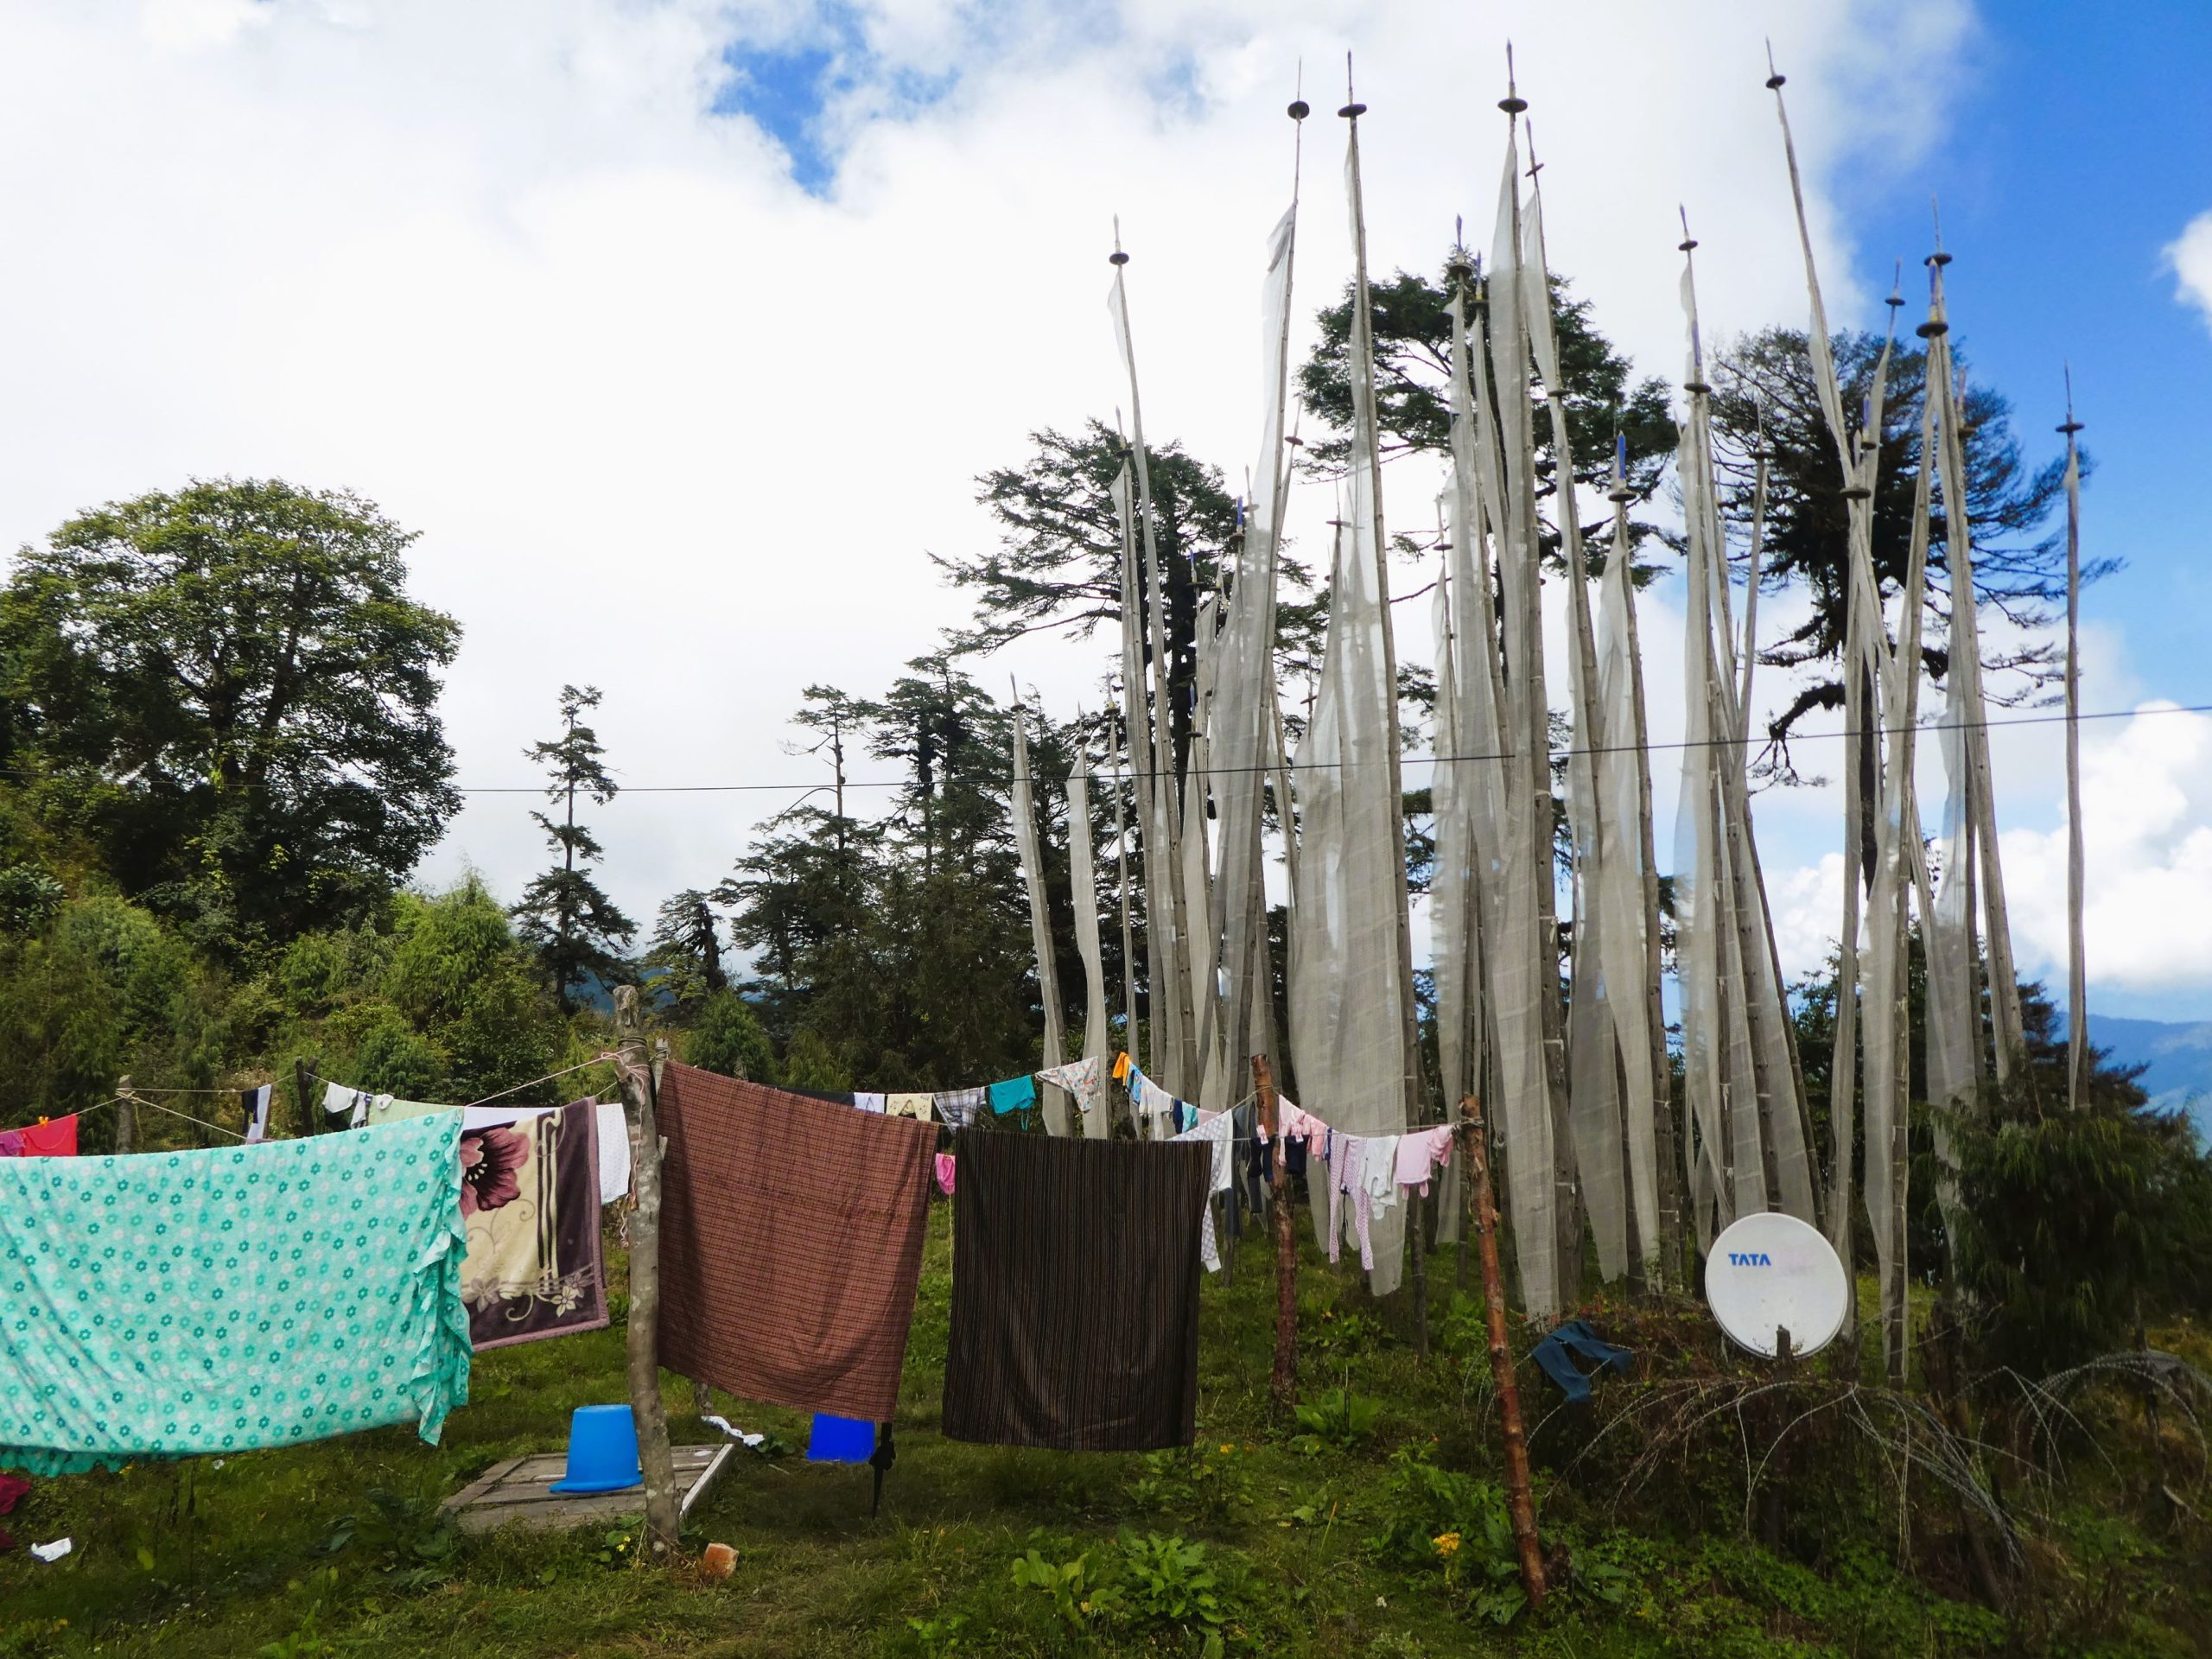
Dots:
pixel 1519 1505
pixel 1284 1382
pixel 663 1518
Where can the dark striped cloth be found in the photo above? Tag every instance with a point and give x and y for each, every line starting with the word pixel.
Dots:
pixel 1075 1291
pixel 790 1238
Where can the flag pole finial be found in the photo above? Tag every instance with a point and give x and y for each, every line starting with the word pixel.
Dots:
pixel 2072 425
pixel 1688 241
pixel 1353 108
pixel 1774 78
pixel 1512 102
pixel 1117 257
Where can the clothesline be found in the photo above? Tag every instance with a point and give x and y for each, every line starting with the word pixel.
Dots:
pixel 580 1065
pixel 137 1099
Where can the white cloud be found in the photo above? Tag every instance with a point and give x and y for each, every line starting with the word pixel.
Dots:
pixel 2191 256
pixel 670 426
pixel 2147 829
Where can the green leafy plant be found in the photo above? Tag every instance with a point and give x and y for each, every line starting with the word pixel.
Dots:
pixel 1336 1418
pixel 416 1550
pixel 310 1595
pixel 1169 1581
pixel 941 1634
pixel 1077 1596
pixel 1457 1525
pixel 1210 1482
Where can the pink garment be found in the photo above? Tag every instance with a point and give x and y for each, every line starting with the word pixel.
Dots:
pixel 1421 1152
pixel 1346 1153
pixel 1298 1124
pixel 944 1172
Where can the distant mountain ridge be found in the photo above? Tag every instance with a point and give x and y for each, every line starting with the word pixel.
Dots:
pixel 2176 1059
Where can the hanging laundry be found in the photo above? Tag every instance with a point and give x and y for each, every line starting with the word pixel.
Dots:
pixel 791 1242
pixel 869 1103
pixel 1347 1166
pixel 1085 1079
pixel 957 1107
pixel 356 1104
pixel 1159 1114
pixel 54 1137
pixel 611 1148
pixel 1422 1153
pixel 287 1295
pixel 1047 1350
pixel 255 1102
pixel 1378 1171
pixel 1013 1095
pixel 1218 1133
pixel 529 1191
pixel 11 1143
pixel 945 1166
pixel 914 1106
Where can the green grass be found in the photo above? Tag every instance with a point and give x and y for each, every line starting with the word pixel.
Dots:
pixel 1313 1536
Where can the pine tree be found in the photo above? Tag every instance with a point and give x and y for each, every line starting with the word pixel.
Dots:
pixel 574 928
pixel 686 946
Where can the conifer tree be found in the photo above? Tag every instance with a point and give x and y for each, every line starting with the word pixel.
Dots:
pixel 576 929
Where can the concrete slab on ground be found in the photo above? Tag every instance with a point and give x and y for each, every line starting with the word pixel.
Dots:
pixel 517 1492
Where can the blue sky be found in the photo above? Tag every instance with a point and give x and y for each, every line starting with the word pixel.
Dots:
pixel 2081 149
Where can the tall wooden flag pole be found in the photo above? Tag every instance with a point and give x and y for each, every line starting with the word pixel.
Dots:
pixel 2077 974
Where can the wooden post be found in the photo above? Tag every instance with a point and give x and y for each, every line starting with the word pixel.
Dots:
pixel 126 1117
pixel 1416 1229
pixel 702 1394
pixel 663 1519
pixel 1284 1382
pixel 310 1119
pixel 1518 1504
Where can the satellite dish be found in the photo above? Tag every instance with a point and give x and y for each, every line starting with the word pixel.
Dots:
pixel 1769 1271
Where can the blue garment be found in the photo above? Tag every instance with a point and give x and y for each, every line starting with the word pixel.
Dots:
pixel 1013 1095
pixel 1576 1336
pixel 840 1439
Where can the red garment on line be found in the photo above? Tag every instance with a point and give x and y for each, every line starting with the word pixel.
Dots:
pixel 56 1139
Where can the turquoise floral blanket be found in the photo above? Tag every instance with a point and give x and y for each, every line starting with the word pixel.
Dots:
pixel 174 1304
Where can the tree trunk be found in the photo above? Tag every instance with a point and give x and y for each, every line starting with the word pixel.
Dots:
pixel 663 1519
pixel 1283 1382
pixel 1518 1502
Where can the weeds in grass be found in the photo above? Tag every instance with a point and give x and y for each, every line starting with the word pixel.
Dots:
pixel 1336 1419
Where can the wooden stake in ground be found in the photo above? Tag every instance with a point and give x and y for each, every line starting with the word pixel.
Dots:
pixel 1518 1504
pixel 663 1518
pixel 1284 1382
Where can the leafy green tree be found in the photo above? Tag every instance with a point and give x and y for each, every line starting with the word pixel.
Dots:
pixel 575 927
pixel 1765 394
pixel 685 951
pixel 725 1037
pixel 1058 566
pixel 2071 1227
pixel 464 983
pixel 894 951
pixel 228 693
pixel 1413 365
pixel 101 990
pixel 812 1064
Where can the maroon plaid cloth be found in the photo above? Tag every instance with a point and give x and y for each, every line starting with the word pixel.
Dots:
pixel 790 1238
